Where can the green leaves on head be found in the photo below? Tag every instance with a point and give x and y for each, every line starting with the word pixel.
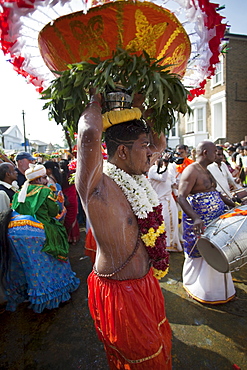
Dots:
pixel 164 92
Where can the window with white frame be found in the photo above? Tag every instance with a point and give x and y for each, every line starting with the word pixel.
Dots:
pixel 196 121
pixel 218 115
pixel 173 131
pixel 217 79
pixel 200 123
pixel 190 122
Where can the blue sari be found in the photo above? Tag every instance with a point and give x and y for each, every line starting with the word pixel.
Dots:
pixel 208 206
pixel 34 275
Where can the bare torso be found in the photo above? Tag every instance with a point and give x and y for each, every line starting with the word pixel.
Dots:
pixel 204 181
pixel 116 232
pixel 113 222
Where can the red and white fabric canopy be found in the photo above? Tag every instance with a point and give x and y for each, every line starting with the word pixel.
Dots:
pixel 22 20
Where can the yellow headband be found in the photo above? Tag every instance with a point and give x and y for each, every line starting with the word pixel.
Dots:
pixel 118 116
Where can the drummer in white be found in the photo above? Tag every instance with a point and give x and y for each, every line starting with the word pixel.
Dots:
pixel 202 203
pixel 225 181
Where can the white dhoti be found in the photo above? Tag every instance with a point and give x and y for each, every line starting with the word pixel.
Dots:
pixel 204 283
pixel 170 215
pixel 162 184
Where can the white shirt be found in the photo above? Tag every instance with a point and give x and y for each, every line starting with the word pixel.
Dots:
pixel 223 178
pixel 244 161
pixel 162 183
pixel 4 198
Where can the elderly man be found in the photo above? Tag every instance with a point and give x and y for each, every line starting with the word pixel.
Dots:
pixel 125 298
pixel 22 160
pixel 8 185
pixel 201 204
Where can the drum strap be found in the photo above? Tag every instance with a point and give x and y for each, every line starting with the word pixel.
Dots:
pixel 228 194
pixel 224 190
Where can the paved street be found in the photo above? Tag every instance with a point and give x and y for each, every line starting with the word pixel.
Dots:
pixel 204 337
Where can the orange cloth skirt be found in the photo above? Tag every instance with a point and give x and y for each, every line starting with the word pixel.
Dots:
pixel 90 246
pixel 130 319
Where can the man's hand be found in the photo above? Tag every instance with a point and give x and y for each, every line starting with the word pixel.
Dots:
pixel 198 227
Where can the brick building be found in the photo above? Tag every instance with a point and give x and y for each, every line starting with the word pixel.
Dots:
pixel 220 114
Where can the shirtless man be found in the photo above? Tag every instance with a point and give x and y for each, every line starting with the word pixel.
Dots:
pixel 202 203
pixel 125 299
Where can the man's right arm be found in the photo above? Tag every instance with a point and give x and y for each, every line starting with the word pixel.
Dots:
pixel 89 157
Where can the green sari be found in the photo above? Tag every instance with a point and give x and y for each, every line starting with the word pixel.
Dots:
pixel 41 204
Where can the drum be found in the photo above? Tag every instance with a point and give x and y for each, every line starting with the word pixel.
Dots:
pixel 240 194
pixel 224 242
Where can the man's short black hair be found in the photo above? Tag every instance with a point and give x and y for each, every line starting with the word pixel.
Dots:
pixel 4 169
pixel 124 134
pixel 182 147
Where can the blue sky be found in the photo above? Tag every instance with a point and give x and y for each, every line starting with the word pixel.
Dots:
pixel 16 95
pixel 235 13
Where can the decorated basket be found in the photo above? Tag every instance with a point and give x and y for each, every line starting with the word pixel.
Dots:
pixel 132 26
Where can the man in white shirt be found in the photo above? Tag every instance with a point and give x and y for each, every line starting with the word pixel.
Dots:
pixel 225 181
pixel 8 185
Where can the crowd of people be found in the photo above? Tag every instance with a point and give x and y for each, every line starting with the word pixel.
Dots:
pixel 39 210
pixel 141 203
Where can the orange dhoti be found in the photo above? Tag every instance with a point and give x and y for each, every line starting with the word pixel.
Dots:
pixel 90 246
pixel 130 320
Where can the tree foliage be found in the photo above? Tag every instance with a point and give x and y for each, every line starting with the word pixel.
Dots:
pixel 68 95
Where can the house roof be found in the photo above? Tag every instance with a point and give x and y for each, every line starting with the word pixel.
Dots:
pixel 8 130
pixel 38 142
pixel 4 128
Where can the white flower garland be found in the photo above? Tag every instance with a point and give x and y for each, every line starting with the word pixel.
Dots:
pixel 137 190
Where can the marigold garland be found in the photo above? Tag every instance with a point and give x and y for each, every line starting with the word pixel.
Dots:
pixel 145 205
pixel 151 236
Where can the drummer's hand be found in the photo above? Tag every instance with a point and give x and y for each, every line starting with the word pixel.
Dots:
pixel 198 227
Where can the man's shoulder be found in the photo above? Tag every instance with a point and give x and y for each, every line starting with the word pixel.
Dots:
pixel 212 167
pixel 3 191
pixel 106 190
pixel 192 167
pixel 3 186
pixel 224 165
